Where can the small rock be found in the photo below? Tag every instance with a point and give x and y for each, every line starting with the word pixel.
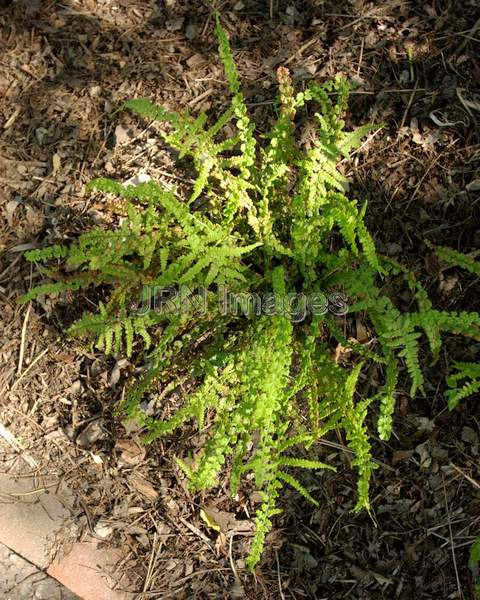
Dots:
pixel 17 560
pixel 175 24
pixel 425 457
pixel 191 31
pixel 140 177
pixel 393 248
pixel 425 424
pixel 47 589
pixel 94 91
pixel 40 134
pixel 114 376
pixel 93 432
pixel 469 435
pixel 103 529
pixel 76 388
pixel 121 136
pixel 473 186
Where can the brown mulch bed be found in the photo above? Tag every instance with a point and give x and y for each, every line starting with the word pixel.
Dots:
pixel 64 66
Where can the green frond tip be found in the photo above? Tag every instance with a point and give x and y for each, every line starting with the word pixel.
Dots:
pixel 387 400
pixel 245 127
pixel 458 259
pixel 263 522
pixel 474 561
pixel 297 486
pixel 475 553
pixel 353 139
pixel 56 288
pixel 302 463
pixel 147 109
pixel 463 384
pixel 44 254
pixel 184 467
pixel 226 56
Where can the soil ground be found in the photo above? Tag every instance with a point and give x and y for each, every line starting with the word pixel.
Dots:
pixel 63 67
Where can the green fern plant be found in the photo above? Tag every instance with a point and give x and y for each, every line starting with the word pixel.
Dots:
pixel 474 563
pixel 465 380
pixel 463 383
pixel 454 258
pixel 275 223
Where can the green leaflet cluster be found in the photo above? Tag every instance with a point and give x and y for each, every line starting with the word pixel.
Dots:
pixel 474 562
pixel 464 382
pixel 264 388
pixel 458 259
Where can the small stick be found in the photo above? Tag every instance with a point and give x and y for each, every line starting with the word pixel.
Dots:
pixel 30 366
pixel 238 584
pixel 459 586
pixel 202 96
pixel 153 555
pixel 22 343
pixel 196 531
pixel 467 477
pixel 470 35
pixel 300 51
pixel 16 445
pixel 279 577
pixel 361 57
pixel 409 105
pixel 12 264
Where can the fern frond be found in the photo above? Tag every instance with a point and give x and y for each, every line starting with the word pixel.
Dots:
pixel 244 125
pixel 297 486
pixel 303 463
pixel 458 259
pixel 263 521
pixel 387 399
pixel 352 139
pixel 49 253
pixel 57 287
pixel 147 109
pixel 462 384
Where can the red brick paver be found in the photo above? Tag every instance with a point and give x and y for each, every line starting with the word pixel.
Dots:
pixel 86 570
pixel 34 515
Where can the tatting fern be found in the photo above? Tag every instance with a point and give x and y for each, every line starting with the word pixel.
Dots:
pixel 264 385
